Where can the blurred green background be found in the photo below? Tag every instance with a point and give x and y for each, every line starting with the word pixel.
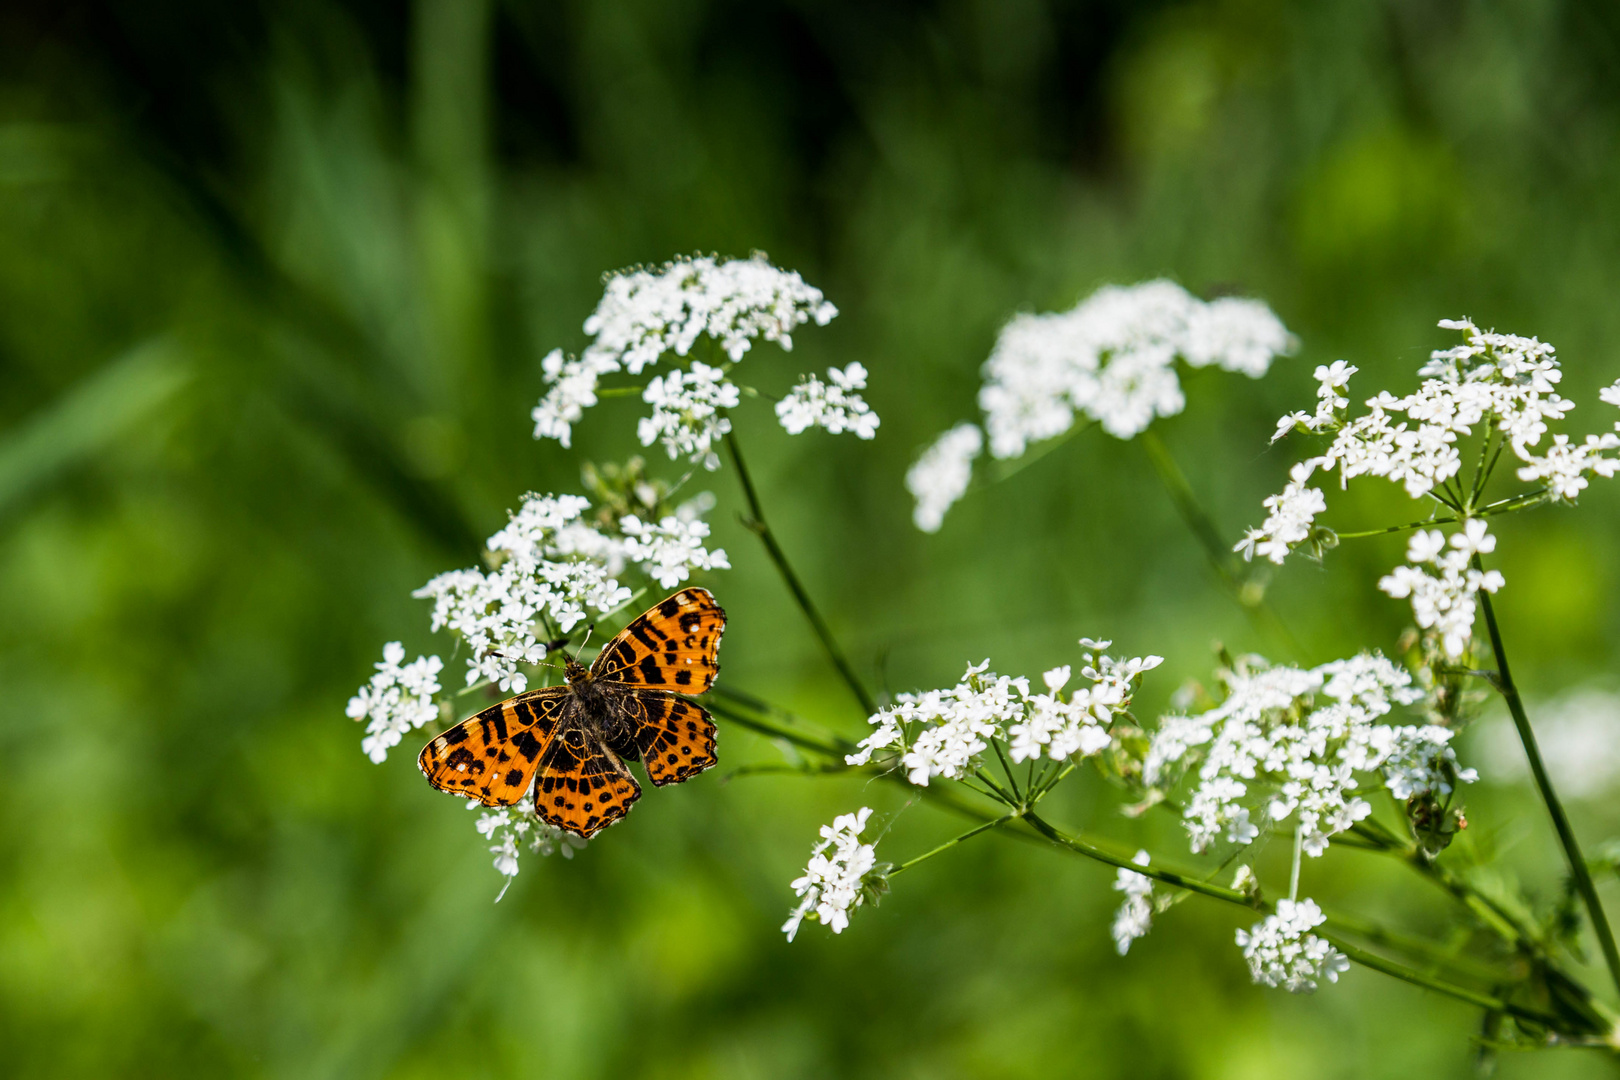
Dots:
pixel 275 279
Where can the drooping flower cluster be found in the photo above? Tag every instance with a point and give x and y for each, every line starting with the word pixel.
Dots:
pixel 510 828
pixel 1444 601
pixel 843 873
pixel 942 732
pixel 1111 359
pixel 1289 742
pixel 552 568
pixel 1282 951
pixel 941 475
pixel 1135 916
pixel 645 314
pixel 398 699
pixel 834 405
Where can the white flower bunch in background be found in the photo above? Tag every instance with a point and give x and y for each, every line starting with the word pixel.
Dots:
pixel 943 732
pixel 1576 734
pixel 941 476
pixel 552 568
pixel 398 699
pixel 1498 388
pixel 645 315
pixel 1289 742
pixel 1282 951
pixel 833 405
pixel 1110 359
pixel 843 873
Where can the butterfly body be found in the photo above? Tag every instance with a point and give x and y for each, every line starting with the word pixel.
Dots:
pixel 569 743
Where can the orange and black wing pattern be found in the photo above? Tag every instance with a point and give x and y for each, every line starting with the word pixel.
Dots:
pixel 492 756
pixel 673 646
pixel 583 786
pixel 674 737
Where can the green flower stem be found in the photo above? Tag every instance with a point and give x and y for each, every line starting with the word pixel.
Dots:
pixel 1216 548
pixel 1579 872
pixel 757 525
pixel 947 845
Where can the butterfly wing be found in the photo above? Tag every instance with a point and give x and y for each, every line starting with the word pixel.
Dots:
pixel 674 737
pixel 492 756
pixel 583 786
pixel 673 646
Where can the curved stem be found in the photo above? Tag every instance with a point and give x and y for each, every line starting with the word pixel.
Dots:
pixel 947 845
pixel 1566 835
pixel 756 524
pixel 1216 549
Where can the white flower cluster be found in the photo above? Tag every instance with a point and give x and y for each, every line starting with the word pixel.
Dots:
pixel 1135 916
pixel 1499 383
pixel 686 414
pixel 1444 602
pixel 941 475
pixel 1111 358
pixel 511 827
pixel 1282 951
pixel 644 314
pixel 942 732
pixel 835 881
pixel 833 405
pixel 554 566
pixel 396 700
pixel 1288 741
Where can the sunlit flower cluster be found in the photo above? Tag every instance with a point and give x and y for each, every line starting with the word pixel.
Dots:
pixel 1282 951
pixel 552 568
pixel 941 475
pixel 1499 387
pixel 398 699
pixel 647 313
pixel 1110 359
pixel 942 732
pixel 843 873
pixel 835 405
pixel 1288 741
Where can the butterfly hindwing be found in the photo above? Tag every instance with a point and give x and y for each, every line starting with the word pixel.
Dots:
pixel 673 646
pixel 492 756
pixel 674 737
pixel 583 786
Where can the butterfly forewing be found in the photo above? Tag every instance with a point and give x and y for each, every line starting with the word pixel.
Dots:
pixel 583 786
pixel 673 646
pixel 492 756
pixel 675 738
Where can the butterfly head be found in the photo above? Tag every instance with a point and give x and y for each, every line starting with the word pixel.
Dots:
pixel 574 669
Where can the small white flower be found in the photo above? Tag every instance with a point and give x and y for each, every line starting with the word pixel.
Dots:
pixel 835 881
pixel 941 474
pixel 1281 951
pixel 832 405
pixel 397 700
pixel 669 551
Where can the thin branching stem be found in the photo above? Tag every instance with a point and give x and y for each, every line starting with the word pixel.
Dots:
pixel 757 525
pixel 1579 872
pixel 953 841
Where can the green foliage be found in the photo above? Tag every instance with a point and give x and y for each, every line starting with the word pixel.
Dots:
pixel 274 286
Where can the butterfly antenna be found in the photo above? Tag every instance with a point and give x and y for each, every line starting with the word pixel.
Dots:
pixel 589 630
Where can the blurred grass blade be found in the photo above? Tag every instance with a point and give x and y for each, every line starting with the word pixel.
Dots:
pixel 85 422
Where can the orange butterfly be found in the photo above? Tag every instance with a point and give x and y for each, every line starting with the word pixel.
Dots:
pixel 578 736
